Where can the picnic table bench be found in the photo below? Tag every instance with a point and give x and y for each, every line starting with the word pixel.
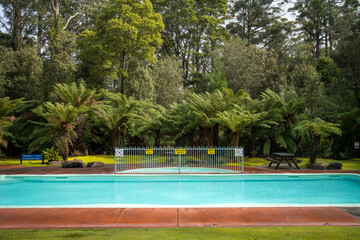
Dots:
pixel 282 157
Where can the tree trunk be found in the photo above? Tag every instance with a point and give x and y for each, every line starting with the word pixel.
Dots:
pixel 317 46
pixel 123 67
pixel 330 35
pixel 314 150
pixel 55 5
pixel 157 137
pixel 326 45
pixel 64 147
pixel 81 135
pixel 235 139
pixel 199 133
pixel 216 135
pixel 190 138
pixel 204 136
pixel 253 143
pixel 331 23
pixel 39 35
pixel 197 58
pixel 185 65
pixel 210 137
pixel 326 37
pixel 178 142
pixel 114 136
pixel 317 35
pixel 66 153
pixel 16 33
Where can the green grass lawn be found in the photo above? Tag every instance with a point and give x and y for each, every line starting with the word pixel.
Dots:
pixel 107 159
pixel 12 161
pixel 269 233
pixel 353 164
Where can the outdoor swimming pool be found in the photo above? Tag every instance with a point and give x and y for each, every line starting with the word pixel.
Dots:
pixel 180 190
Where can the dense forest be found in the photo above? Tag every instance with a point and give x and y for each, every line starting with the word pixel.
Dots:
pixel 85 76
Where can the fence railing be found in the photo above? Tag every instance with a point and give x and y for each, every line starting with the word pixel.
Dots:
pixel 179 160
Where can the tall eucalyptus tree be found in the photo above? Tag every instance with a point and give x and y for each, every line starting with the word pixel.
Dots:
pixel 257 21
pixel 123 29
pixel 317 18
pixel 192 29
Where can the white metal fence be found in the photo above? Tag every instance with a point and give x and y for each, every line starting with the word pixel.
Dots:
pixel 179 160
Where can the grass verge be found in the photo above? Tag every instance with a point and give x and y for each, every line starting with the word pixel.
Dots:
pixel 268 233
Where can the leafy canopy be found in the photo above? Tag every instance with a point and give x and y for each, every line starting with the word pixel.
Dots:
pixel 124 29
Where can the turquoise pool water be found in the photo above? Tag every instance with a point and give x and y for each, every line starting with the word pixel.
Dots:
pixel 179 190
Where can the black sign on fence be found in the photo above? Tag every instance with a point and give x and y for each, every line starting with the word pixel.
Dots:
pixel 34 157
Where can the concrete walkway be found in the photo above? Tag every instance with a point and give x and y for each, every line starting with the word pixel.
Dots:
pixel 173 217
pixel 169 217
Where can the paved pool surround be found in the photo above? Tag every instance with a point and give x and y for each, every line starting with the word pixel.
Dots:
pixel 32 218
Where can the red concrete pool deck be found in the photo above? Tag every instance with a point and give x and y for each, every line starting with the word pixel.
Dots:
pixel 31 218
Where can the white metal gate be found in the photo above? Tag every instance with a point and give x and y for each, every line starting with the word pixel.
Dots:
pixel 179 160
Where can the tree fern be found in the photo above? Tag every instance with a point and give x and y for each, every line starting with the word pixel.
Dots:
pixel 317 130
pixel 116 115
pixel 58 128
pixel 81 98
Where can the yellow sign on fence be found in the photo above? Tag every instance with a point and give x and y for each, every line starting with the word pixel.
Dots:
pixel 211 151
pixel 149 151
pixel 180 151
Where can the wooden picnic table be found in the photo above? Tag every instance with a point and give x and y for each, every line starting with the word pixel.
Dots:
pixel 283 157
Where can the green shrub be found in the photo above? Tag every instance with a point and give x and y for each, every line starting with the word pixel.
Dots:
pixel 348 154
pixel 51 154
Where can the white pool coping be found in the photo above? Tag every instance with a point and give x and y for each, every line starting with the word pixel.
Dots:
pixel 235 205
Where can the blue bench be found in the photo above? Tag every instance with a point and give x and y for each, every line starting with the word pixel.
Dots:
pixel 32 157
